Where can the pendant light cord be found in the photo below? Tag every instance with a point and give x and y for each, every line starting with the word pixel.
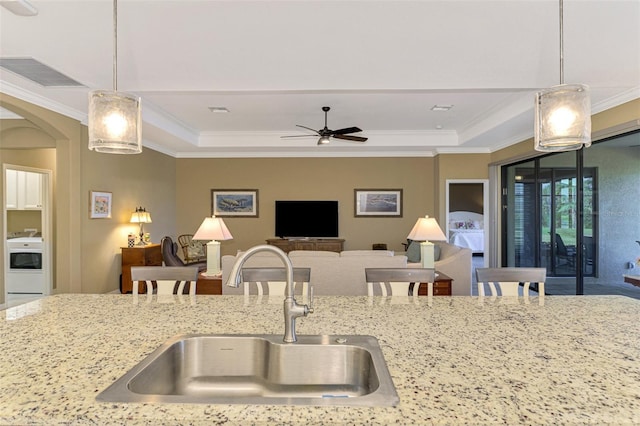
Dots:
pixel 561 43
pixel 115 45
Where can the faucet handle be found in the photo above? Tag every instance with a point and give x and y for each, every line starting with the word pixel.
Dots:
pixel 310 291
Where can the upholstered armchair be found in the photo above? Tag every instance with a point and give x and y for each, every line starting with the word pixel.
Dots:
pixel 170 255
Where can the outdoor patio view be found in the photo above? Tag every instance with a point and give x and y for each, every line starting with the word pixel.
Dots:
pixel 580 223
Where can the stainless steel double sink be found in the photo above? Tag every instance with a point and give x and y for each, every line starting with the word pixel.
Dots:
pixel 260 369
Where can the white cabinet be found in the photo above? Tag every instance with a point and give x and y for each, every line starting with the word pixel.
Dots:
pixel 33 191
pixel 11 184
pixel 24 190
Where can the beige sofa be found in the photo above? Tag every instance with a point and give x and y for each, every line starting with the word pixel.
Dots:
pixel 342 273
pixel 455 262
pixel 332 273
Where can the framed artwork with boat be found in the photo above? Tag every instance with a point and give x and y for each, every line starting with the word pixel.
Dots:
pixel 234 202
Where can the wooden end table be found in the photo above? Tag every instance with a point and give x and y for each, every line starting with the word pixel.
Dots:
pixel 441 286
pixel 209 284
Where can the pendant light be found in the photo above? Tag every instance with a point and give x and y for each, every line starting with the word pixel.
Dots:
pixel 563 112
pixel 115 117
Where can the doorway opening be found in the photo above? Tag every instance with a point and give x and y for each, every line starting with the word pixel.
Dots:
pixel 27 210
pixel 467 219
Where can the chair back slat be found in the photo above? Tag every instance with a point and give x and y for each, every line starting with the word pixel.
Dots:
pixel 275 279
pixel 163 276
pixel 274 274
pixel 508 280
pixel 399 279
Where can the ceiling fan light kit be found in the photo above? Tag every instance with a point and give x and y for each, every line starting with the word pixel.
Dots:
pixel 115 118
pixel 326 134
pixel 563 112
pixel 324 140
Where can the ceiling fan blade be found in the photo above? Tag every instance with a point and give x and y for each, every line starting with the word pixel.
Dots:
pixel 309 128
pixel 346 130
pixel 350 138
pixel 299 136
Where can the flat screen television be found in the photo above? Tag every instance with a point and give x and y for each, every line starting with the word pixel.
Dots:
pixel 307 219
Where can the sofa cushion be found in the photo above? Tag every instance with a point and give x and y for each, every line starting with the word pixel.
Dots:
pixel 344 276
pixel 258 260
pixel 349 253
pixel 445 250
pixel 312 253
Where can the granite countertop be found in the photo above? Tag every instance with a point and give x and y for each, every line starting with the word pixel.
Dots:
pixel 569 360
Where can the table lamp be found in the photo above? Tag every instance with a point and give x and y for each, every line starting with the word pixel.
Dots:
pixel 213 228
pixel 141 216
pixel 425 229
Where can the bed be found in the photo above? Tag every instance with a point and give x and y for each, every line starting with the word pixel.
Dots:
pixel 466 229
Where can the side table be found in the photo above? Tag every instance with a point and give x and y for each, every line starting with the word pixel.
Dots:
pixel 441 286
pixel 149 255
pixel 209 284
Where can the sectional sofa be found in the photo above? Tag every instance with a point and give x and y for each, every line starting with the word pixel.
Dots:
pixel 342 273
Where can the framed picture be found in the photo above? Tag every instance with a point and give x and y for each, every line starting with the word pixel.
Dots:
pixel 234 202
pixel 378 202
pixel 99 205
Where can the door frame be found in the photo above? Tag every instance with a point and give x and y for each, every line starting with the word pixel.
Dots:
pixel 485 211
pixel 46 222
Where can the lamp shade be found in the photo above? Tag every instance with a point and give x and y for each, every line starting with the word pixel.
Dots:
pixel 563 118
pixel 140 216
pixel 426 229
pixel 213 228
pixel 115 122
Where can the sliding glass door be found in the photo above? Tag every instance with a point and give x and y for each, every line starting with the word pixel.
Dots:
pixel 577 215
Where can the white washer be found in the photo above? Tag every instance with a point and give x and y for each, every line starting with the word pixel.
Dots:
pixel 25 274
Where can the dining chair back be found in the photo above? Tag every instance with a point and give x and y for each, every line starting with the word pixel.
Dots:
pixel 397 281
pixel 168 279
pixel 273 281
pixel 508 280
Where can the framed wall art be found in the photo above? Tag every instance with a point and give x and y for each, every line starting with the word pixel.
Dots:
pixel 99 205
pixel 378 202
pixel 234 202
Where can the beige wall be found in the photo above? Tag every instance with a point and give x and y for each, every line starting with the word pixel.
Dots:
pixel 306 179
pixel 148 180
pixel 65 134
pixel 19 220
pixel 87 250
pixel 457 166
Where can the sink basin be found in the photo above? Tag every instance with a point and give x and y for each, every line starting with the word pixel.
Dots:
pixel 260 369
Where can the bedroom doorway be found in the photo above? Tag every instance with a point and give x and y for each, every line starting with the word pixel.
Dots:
pixel 467 219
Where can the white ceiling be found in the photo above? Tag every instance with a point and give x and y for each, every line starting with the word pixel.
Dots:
pixel 380 65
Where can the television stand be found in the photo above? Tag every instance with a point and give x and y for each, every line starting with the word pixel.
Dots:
pixel 322 244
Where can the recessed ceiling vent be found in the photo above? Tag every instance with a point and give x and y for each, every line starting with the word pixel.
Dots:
pixel 38 72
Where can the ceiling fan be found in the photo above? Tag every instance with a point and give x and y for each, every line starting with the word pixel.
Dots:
pixel 326 134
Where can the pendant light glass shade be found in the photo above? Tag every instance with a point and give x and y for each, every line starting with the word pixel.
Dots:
pixel 563 112
pixel 563 118
pixel 115 118
pixel 115 122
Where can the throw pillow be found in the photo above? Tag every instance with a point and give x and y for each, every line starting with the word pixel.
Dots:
pixel 413 252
